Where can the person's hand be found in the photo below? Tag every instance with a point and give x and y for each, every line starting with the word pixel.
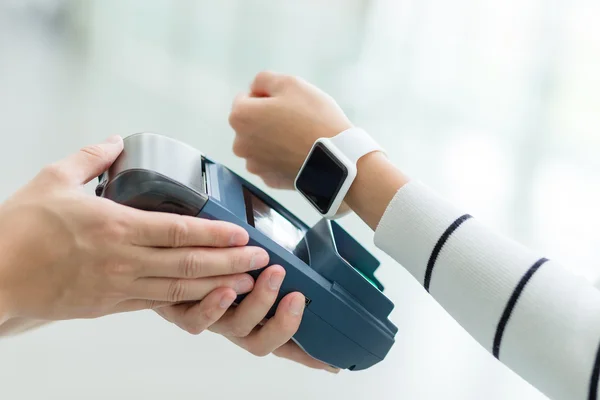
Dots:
pixel 277 123
pixel 65 254
pixel 245 324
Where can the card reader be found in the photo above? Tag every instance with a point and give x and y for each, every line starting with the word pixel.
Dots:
pixel 345 323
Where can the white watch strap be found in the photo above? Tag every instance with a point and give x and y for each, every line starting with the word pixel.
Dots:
pixel 355 143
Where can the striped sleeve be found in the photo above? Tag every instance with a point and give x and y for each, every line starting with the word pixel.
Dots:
pixel 536 317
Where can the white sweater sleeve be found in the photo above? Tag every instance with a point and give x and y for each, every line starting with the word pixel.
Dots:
pixel 536 317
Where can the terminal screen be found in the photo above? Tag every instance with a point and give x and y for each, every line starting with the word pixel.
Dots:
pixel 271 223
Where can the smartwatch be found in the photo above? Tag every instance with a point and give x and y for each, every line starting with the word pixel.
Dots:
pixel 330 169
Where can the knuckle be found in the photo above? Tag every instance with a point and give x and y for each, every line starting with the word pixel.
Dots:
pixel 264 76
pixel 195 329
pixel 95 151
pixel 177 291
pixel 253 167
pixel 266 300
pixel 115 229
pixel 272 181
pixel 167 316
pixel 214 233
pixel 53 172
pixel 117 268
pixel 221 233
pixel 206 316
pixel 151 305
pixel 288 81
pixel 204 319
pixel 178 233
pixel 272 184
pixel 258 351
pixel 240 331
pixel 191 265
pixel 210 232
pixel 238 116
pixel 288 328
pixel 240 148
pixel 237 260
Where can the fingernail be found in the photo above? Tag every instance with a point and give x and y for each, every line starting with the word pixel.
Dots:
pixel 244 285
pixel 275 281
pixel 259 260
pixel 114 139
pixel 226 301
pixel 333 370
pixel 297 305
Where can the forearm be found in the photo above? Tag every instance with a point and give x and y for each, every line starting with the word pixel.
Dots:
pixel 533 315
pixel 536 317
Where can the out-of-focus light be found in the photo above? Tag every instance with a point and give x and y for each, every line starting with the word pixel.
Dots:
pixel 476 172
pixel 567 217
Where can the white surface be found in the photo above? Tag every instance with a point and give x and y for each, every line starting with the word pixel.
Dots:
pixel 451 89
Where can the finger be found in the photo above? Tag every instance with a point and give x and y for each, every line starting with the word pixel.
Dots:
pixel 276 331
pixel 255 167
pixel 291 351
pixel 267 84
pixel 246 111
pixel 89 162
pixel 137 305
pixel 192 263
pixel 169 230
pixel 180 290
pixel 239 322
pixel 241 147
pixel 195 318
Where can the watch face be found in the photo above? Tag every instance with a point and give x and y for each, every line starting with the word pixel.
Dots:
pixel 321 178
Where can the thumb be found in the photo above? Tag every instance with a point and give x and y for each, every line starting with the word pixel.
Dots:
pixel 89 162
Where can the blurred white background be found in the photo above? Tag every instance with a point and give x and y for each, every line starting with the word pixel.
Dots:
pixel 494 104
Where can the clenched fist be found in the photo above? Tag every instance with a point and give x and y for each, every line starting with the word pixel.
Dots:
pixel 278 121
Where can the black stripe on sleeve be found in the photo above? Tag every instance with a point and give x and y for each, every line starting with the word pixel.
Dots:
pixel 512 302
pixel 593 392
pixel 438 247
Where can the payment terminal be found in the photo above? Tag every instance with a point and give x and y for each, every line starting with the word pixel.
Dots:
pixel 345 323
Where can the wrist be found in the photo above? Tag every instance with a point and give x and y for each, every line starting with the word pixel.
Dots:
pixel 377 182
pixel 351 171
pixel 324 131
